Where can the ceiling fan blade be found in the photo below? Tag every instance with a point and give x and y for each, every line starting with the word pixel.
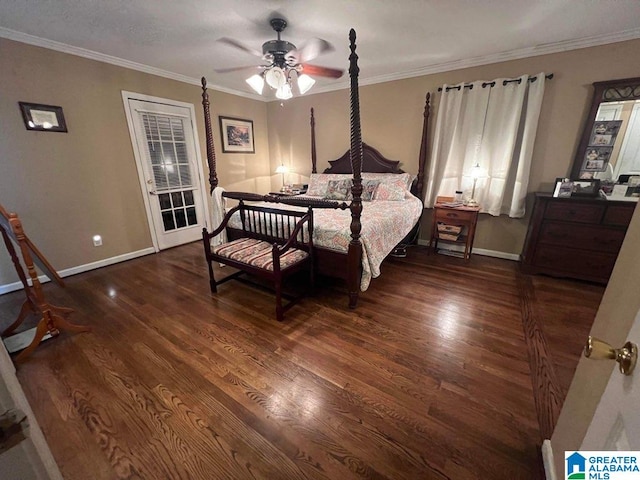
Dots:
pixel 311 49
pixel 240 46
pixel 237 69
pixel 321 71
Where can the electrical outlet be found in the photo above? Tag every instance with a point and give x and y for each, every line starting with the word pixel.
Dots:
pixel 97 241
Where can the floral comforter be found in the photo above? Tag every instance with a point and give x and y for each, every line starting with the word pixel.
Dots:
pixel 384 225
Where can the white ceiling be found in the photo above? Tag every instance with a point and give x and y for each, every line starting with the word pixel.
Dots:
pixel 396 39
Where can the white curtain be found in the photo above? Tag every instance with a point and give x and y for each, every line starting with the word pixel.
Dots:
pixel 493 125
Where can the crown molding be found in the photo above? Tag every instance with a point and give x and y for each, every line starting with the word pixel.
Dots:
pixel 544 49
pixel 120 62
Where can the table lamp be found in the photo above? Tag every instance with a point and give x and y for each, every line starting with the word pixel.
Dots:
pixel 282 169
pixel 476 173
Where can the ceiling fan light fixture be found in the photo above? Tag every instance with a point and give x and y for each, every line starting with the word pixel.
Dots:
pixel 282 59
pixel 305 82
pixel 256 82
pixel 275 77
pixel 284 92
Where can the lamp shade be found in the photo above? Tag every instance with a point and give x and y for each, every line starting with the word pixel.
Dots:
pixel 282 169
pixel 305 82
pixel 275 77
pixel 256 82
pixel 476 171
pixel 284 92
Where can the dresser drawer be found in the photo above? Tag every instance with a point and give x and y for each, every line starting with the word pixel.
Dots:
pixel 586 237
pixel 575 263
pixel 452 216
pixel 619 215
pixel 574 212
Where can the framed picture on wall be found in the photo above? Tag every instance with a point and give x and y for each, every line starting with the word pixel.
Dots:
pixel 237 135
pixel 45 118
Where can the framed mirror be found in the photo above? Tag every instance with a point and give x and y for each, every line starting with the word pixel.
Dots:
pixel 610 143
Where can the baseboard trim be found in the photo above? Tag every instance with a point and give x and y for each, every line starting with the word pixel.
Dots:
pixel 479 251
pixel 12 287
pixel 547 459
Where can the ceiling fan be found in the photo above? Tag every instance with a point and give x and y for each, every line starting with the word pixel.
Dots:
pixel 283 58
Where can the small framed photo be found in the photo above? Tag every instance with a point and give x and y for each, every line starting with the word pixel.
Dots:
pixel 44 118
pixel 596 159
pixel 585 188
pixel 605 132
pixel 563 188
pixel 237 135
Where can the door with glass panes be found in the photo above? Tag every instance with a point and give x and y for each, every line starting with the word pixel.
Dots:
pixel 167 163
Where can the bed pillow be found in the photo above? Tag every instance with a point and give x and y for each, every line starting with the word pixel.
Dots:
pixel 369 188
pixel 318 182
pixel 337 189
pixel 341 190
pixel 390 192
pixel 402 179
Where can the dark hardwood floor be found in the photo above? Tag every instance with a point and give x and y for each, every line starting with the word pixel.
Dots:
pixel 429 378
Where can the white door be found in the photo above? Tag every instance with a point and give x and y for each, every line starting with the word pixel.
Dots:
pixel 170 171
pixel 616 422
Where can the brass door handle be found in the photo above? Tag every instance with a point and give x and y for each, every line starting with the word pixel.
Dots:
pixel 625 356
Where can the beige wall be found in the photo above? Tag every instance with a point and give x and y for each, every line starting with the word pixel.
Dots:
pixel 66 187
pixel 392 121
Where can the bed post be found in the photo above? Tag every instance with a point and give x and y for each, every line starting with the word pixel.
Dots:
pixel 211 152
pixel 422 159
pixel 313 143
pixel 354 258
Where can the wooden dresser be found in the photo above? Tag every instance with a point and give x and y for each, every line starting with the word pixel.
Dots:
pixel 575 237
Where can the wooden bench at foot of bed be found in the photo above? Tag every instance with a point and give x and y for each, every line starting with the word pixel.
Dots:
pixel 273 245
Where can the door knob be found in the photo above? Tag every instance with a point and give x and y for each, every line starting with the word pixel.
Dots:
pixel 625 356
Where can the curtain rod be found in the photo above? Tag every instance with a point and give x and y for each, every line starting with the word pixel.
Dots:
pixel 493 84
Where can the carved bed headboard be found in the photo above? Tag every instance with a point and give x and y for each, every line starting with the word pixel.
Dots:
pixel 372 160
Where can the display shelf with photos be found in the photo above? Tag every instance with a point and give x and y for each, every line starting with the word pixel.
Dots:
pixel 600 147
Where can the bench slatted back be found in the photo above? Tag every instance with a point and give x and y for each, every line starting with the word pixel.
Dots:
pixel 273 225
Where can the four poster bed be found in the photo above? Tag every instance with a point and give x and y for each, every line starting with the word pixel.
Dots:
pixel 351 237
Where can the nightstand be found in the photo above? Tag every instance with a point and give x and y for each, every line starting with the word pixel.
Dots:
pixel 461 218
